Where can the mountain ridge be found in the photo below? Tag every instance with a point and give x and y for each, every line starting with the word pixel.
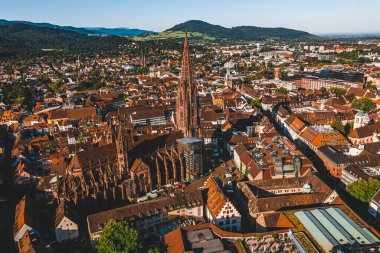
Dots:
pixel 16 38
pixel 242 32
pixel 120 31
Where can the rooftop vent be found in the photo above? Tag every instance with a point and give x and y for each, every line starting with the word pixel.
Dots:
pixel 273 153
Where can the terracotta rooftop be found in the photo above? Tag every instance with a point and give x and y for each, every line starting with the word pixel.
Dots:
pixel 149 208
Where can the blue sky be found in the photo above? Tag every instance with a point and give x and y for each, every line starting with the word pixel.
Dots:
pixel 315 16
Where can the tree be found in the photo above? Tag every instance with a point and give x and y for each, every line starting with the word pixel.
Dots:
pixel 338 125
pixel 363 190
pixel 154 250
pixel 348 127
pixel 369 85
pixel 338 91
pixel 134 80
pixel 255 102
pixel 364 104
pixel 118 237
pixel 282 90
pixel 20 100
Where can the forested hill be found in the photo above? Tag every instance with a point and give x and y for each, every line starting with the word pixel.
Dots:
pixel 18 38
pixel 121 31
pixel 250 33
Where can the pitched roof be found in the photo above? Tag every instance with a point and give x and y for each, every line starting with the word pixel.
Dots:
pixel 23 215
pixel 277 220
pixel 165 204
pixel 365 131
pixel 215 197
pixel 64 210
pixel 260 201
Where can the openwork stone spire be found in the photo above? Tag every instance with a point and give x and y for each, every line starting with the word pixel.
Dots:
pixel 187 118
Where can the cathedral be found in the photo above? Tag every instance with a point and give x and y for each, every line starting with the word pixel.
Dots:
pixel 123 167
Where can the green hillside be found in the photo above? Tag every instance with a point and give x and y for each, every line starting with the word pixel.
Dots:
pixel 247 33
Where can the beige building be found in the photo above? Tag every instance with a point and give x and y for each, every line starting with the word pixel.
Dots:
pixel 150 214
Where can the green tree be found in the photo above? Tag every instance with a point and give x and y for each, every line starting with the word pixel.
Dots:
pixel 364 104
pixel 369 85
pixel 282 90
pixel 118 237
pixel 338 91
pixel 154 250
pixel 20 100
pixel 134 80
pixel 363 190
pixel 255 102
pixel 338 125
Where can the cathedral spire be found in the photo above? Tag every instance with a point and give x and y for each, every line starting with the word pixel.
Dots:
pixel 187 118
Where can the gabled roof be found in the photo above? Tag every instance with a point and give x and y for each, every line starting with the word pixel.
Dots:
pixel 215 197
pixel 365 131
pixel 148 208
pixel 295 123
pixel 64 210
pixel 23 215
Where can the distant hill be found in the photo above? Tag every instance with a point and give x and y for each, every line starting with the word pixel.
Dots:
pixel 87 30
pixel 248 33
pixel 118 31
pixel 18 38
pixel 48 25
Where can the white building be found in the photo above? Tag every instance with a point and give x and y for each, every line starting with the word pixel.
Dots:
pixel 219 209
pixel 361 119
pixel 66 227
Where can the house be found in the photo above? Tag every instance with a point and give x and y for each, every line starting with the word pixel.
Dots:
pixel 219 208
pixel 340 164
pixel 198 238
pixel 316 136
pixel 365 134
pixel 66 219
pixel 334 160
pixel 353 173
pixel 28 243
pixel 65 117
pixel 10 117
pixel 149 214
pixel 270 157
pixel 294 126
pixel 25 219
pixel 361 119
pixel 274 195
pixel 244 162
pixel 374 205
pixel 211 137
pixel 147 117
